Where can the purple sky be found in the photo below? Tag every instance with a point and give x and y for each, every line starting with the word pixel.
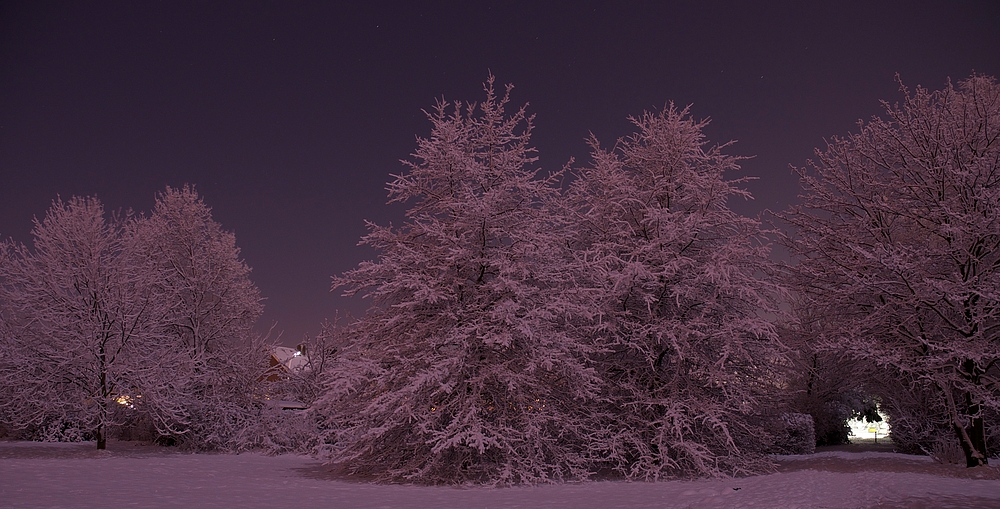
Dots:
pixel 289 119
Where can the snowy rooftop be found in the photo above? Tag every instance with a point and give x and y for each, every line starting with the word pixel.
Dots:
pixel 291 358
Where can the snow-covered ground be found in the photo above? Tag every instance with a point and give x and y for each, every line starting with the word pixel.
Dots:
pixel 75 476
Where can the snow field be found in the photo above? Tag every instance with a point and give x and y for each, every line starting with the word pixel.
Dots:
pixel 42 476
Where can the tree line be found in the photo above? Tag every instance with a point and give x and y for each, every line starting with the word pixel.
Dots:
pixel 615 316
pixel 524 329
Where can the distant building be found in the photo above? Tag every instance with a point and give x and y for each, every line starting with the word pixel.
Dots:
pixel 286 360
pixel 293 359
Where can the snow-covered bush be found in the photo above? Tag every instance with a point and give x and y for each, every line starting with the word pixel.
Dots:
pixel 918 424
pixel 62 431
pixel 794 434
pixel 275 431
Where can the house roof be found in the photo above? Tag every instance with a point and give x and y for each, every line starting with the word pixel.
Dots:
pixel 292 359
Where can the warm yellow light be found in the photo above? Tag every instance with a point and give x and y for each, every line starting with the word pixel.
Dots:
pixel 125 401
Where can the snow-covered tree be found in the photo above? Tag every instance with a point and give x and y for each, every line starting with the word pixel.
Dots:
pixel 206 307
pixel 122 322
pixel 77 313
pixel 675 281
pixel 897 241
pixel 209 298
pixel 462 370
pixel 8 366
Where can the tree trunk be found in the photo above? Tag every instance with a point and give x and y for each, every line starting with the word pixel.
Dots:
pixel 102 409
pixel 102 438
pixel 974 456
pixel 977 433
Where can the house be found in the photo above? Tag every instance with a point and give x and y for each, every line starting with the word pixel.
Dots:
pixel 284 362
pixel 287 360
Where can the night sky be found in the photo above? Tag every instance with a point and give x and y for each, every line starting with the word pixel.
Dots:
pixel 289 118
